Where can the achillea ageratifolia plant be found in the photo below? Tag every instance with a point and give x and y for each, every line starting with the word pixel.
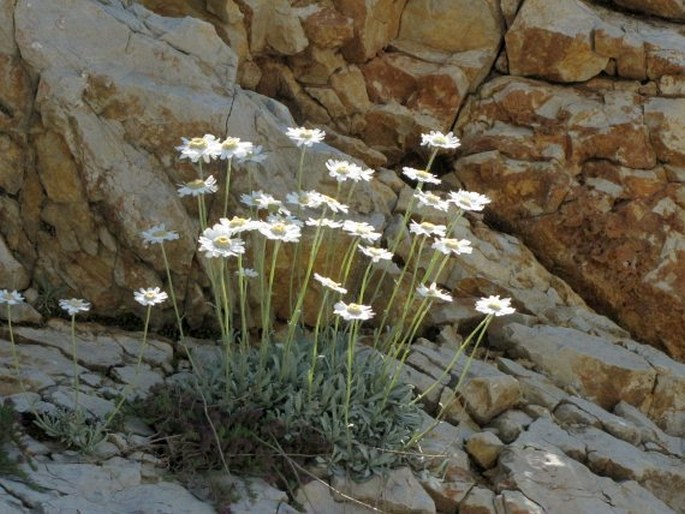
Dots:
pixel 319 382
pixel 312 391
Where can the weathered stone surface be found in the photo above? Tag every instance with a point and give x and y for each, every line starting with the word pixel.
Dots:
pixel 376 22
pixel 398 492
pixel 602 372
pixel 478 501
pixel 574 41
pixel 669 9
pixel 663 475
pixel 98 355
pixel 561 485
pixel 554 38
pixel 579 189
pixel 481 22
pixel 484 448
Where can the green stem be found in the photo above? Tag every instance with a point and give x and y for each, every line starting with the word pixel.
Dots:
pixel 171 292
pixel 77 385
pixel 229 166
pixel 128 386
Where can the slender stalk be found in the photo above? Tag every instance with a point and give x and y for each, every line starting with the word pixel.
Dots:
pixel 266 312
pixel 77 385
pixel 128 386
pixel 300 168
pixel 312 366
pixel 351 342
pixel 15 355
pixel 229 166
pixel 171 291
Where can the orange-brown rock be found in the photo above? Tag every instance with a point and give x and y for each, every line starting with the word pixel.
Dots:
pixel 579 175
pixel 669 9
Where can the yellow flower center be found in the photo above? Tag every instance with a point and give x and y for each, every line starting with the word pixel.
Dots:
pixel 278 229
pixel 196 184
pixel 197 143
pixel 222 241
pixel 230 143
pixel 150 295
pixel 354 309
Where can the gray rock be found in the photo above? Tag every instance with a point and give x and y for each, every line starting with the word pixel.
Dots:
pixel 662 475
pixel 140 379
pixel 535 388
pixel 398 492
pixel 478 501
pixel 561 485
pixel 598 370
pixel 510 424
pixel 316 498
pixel 90 352
pixel 515 501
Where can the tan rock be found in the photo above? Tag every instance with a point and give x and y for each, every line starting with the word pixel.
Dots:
pixel 314 66
pixel 12 176
pixel 669 9
pixel 12 274
pixel 454 26
pixel 484 448
pixel 376 23
pixel 328 28
pixel 436 90
pixel 274 25
pixel 553 39
pixel 350 87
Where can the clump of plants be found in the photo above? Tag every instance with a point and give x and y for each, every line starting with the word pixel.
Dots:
pixel 312 394
pixel 266 418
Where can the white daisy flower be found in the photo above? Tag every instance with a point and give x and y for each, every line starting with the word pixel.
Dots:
pixel 352 311
pixel 205 148
pixel 158 234
pixel 452 246
pixel 376 254
pixel 367 174
pixel 361 230
pixel 305 199
pixel 11 297
pixel 426 198
pixel 330 284
pixel 433 292
pixel 260 200
pixel 426 228
pixel 284 217
pixel 281 231
pixel 234 147
pixel 198 187
pixel 238 225
pixel 344 170
pixel 216 241
pixel 150 296
pixel 247 272
pixel 421 176
pixel 74 305
pixel 495 305
pixel 468 200
pixel 334 204
pixel 256 154
pixel 323 222
pixel 440 140
pixel 304 136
